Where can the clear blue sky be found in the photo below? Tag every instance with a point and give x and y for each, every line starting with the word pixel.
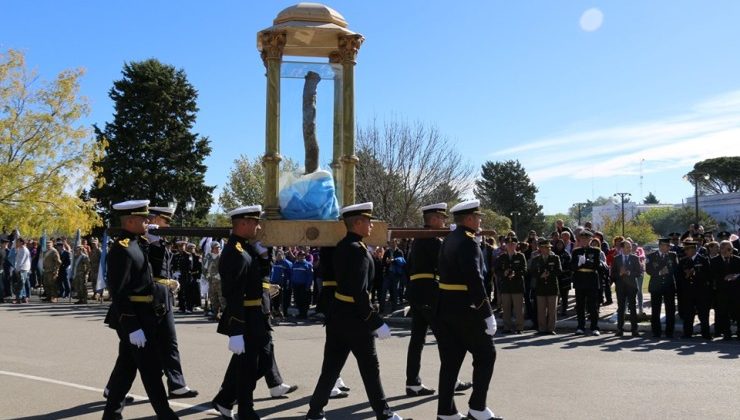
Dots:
pixel 582 106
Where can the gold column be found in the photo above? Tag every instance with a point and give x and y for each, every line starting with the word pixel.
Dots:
pixel 336 163
pixel 349 45
pixel 272 54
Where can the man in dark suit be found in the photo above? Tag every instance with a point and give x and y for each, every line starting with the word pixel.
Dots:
pixel 693 280
pixel 625 272
pixel 661 265
pixel 725 272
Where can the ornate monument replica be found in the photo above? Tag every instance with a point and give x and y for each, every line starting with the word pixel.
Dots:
pixel 314 32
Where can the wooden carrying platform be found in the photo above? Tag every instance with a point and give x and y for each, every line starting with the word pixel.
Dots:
pixel 306 232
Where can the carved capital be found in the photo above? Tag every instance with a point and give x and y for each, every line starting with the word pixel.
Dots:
pixel 271 157
pixel 273 44
pixel 349 46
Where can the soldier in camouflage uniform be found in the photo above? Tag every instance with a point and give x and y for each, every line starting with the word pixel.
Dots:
pixel 51 265
pixel 214 280
pixel 81 270
pixel 94 256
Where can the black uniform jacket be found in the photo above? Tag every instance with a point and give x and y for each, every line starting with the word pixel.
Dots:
pixel 423 271
pixel 247 300
pixel 461 290
pixel 693 276
pixel 354 271
pixel 548 285
pixel 137 301
pixel 516 266
pixel 655 263
pixel 586 276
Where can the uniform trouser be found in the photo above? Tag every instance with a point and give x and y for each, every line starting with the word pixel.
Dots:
pixel 626 298
pixel 515 301
pixel 422 318
pixel 286 296
pixel 606 287
pixel 50 285
pixel 302 299
pixel 214 295
pixel 169 356
pixel 342 337
pixel 189 295
pixel 131 358
pixel 587 298
pixel 690 305
pixel 245 370
pixel 456 337
pixel 656 302
pixel 81 288
pixel 546 313
pixel 390 286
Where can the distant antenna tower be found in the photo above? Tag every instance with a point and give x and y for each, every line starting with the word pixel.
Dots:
pixel 641 162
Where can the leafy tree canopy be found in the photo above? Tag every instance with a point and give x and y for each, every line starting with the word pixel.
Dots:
pixel 46 154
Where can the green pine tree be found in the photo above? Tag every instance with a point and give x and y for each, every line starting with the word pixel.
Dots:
pixel 152 152
pixel 505 188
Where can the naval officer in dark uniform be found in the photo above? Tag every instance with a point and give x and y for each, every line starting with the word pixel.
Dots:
pixel 465 322
pixel 694 281
pixel 246 316
pixel 138 305
pixel 585 262
pixel 353 324
pixel 159 259
pixel 661 265
pixel 422 294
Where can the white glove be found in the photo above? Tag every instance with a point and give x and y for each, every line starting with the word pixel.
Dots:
pixel 236 344
pixel 152 227
pixel 137 338
pixel 383 332
pixel 491 325
pixel 581 260
pixel 176 275
pixel 174 285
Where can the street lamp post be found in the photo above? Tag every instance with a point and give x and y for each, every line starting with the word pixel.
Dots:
pixel 189 207
pixel 579 205
pixel 515 215
pixel 622 195
pixel 696 177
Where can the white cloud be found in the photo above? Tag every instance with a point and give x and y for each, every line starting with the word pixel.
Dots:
pixel 711 129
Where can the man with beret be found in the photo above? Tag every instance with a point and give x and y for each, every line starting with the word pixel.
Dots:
pixel 246 318
pixel 585 263
pixel 694 281
pixel 545 268
pixel 511 269
pixel 465 322
pixel 661 265
pixel 353 324
pixel 138 304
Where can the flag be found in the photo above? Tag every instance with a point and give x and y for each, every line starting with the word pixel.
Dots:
pixel 73 267
pixel 101 284
pixel 42 250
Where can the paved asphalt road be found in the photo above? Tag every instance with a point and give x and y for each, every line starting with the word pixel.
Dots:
pixel 55 359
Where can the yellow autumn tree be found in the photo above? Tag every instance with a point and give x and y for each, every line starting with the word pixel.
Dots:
pixel 45 152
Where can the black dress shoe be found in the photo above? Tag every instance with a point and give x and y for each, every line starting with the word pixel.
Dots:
pixel 341 394
pixel 190 393
pixel 463 386
pixel 344 388
pixel 619 333
pixel 635 334
pixel 223 410
pixel 422 391
pixel 127 399
pixel 495 417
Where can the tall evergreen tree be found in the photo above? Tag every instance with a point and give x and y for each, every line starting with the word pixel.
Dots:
pixel 506 188
pixel 152 152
